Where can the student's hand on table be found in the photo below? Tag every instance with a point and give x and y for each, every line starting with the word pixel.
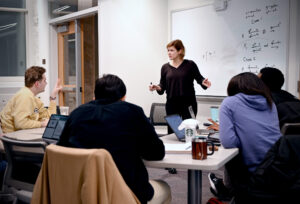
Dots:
pixel 154 88
pixel 206 83
pixel 214 126
pixel 44 123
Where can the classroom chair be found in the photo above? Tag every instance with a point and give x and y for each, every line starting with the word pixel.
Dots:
pixel 275 180
pixel 1 132
pixel 290 128
pixel 157 116
pixel 24 160
pixel 80 176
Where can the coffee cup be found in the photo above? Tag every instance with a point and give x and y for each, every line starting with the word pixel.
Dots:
pixel 64 110
pixel 189 134
pixel 199 148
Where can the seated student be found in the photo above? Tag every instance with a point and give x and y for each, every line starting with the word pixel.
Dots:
pixel 248 120
pixel 123 129
pixel 24 110
pixel 274 80
pixel 288 106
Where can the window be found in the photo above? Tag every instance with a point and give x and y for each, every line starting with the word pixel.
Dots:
pixel 59 8
pixel 12 38
pixel 13 3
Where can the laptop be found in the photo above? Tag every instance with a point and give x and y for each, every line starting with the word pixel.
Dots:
pixel 54 128
pixel 215 138
pixel 174 121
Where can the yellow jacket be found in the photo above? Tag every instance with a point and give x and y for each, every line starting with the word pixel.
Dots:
pixel 25 111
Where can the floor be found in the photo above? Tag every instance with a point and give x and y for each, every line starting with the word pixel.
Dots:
pixel 178 183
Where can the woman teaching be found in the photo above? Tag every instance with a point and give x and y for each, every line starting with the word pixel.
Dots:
pixel 177 79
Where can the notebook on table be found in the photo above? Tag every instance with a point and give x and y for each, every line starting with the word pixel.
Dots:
pixel 54 128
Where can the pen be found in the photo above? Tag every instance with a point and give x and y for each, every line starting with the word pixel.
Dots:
pixel 188 147
pixel 151 85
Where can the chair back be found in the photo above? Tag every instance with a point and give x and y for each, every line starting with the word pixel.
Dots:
pixel 288 112
pixel 1 132
pixel 290 129
pixel 158 113
pixel 24 160
pixel 80 176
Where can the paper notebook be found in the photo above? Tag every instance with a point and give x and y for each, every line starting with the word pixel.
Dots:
pixel 184 148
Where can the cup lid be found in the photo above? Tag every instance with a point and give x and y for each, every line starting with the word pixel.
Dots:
pixel 199 139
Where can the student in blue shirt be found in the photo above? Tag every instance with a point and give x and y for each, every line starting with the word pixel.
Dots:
pixel 248 119
pixel 249 122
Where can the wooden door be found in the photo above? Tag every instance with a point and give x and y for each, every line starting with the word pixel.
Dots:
pixel 68 55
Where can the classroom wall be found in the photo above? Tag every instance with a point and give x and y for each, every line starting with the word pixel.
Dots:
pixel 37 37
pixel 293 73
pixel 132 39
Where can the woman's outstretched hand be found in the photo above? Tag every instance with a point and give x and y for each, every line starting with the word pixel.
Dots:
pixel 206 83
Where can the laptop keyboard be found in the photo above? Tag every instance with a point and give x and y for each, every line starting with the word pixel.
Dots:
pixel 205 131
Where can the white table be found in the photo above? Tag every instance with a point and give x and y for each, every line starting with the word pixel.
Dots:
pixel 28 134
pixel 194 167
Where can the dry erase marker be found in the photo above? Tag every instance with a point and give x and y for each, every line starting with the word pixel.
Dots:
pixel 151 87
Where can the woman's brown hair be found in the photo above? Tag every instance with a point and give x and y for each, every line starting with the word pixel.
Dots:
pixel 178 46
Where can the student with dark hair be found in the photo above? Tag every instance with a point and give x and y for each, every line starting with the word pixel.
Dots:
pixel 274 80
pixel 177 79
pixel 288 106
pixel 248 119
pixel 24 110
pixel 123 129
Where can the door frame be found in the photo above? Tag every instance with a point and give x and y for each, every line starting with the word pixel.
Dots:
pixel 74 27
pixel 53 61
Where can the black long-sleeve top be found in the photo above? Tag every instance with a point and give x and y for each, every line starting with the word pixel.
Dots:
pixel 123 129
pixel 180 81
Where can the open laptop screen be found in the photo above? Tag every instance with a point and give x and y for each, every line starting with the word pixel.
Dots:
pixel 174 121
pixel 55 127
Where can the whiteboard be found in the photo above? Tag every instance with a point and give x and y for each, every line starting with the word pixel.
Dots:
pixel 247 36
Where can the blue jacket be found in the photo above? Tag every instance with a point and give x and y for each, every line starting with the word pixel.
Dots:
pixel 248 123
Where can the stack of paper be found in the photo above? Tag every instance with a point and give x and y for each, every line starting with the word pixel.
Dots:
pixel 178 148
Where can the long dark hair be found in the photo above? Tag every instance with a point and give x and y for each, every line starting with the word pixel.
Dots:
pixel 250 84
